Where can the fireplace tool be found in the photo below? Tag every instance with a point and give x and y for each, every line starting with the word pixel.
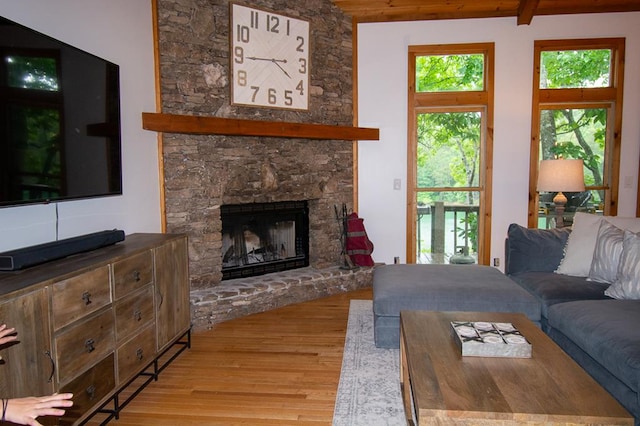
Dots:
pixel 341 218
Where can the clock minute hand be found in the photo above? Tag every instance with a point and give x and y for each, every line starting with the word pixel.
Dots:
pixel 275 61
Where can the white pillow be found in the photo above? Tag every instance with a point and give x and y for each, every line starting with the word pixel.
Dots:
pixel 606 256
pixel 627 286
pixel 578 252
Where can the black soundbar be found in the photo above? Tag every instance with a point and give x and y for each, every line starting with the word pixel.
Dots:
pixel 34 255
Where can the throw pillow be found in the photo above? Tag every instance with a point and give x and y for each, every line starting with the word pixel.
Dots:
pixel 627 286
pixel 579 250
pixel 535 250
pixel 606 255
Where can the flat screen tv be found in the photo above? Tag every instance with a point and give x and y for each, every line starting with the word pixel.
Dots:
pixel 59 120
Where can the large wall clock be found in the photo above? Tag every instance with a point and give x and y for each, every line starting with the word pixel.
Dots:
pixel 269 59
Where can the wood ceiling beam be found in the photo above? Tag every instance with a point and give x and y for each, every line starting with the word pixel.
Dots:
pixel 526 10
pixel 567 7
pixel 412 10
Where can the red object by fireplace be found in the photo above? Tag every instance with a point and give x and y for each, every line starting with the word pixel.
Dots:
pixel 359 246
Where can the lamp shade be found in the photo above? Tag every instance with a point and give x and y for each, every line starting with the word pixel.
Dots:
pixel 561 175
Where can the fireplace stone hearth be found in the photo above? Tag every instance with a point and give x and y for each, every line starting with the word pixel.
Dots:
pixel 245 296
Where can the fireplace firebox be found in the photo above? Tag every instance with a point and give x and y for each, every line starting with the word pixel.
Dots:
pixel 261 238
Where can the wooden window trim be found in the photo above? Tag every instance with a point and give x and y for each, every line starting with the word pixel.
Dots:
pixel 581 98
pixel 450 101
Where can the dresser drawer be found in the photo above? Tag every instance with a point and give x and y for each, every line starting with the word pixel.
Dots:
pixel 78 296
pixel 83 345
pixel 132 273
pixel 89 389
pixel 134 312
pixel 136 354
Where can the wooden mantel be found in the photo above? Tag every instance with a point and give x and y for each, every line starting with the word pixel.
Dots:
pixel 203 125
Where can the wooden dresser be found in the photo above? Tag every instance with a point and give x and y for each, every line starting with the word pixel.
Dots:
pixel 94 322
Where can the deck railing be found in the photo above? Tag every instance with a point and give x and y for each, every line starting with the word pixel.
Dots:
pixel 448 231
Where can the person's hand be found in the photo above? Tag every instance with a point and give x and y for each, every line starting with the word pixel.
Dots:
pixel 7 334
pixel 24 411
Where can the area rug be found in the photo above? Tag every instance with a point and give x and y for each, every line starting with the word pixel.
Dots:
pixel 369 388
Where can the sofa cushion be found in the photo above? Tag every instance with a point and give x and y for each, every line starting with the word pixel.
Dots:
pixel 606 330
pixel 582 241
pixel 442 288
pixel 448 288
pixel 627 284
pixel 550 288
pixel 534 249
pixel 606 255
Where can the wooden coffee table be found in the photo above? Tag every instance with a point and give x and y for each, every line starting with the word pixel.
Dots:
pixel 441 387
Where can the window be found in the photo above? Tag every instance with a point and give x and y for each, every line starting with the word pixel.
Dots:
pixel 577 110
pixel 450 110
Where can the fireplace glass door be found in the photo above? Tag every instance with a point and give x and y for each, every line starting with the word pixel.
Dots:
pixel 264 237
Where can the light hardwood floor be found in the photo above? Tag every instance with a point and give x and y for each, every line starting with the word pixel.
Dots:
pixel 279 367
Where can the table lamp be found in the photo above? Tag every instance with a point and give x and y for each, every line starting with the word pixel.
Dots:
pixel 557 176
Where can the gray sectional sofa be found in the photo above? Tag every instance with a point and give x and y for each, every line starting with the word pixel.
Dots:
pixel 600 333
pixel 580 284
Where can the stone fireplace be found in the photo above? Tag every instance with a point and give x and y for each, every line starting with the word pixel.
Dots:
pixel 204 174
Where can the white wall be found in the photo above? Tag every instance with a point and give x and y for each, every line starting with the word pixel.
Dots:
pixel 382 103
pixel 121 32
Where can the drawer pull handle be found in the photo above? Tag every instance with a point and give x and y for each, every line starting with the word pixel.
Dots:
pixel 140 354
pixel 91 391
pixel 136 276
pixel 53 366
pixel 89 344
pixel 137 314
pixel 86 296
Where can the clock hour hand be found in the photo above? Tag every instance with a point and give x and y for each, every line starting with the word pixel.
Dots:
pixel 273 60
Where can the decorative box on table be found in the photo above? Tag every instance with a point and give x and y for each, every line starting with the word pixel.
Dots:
pixel 490 339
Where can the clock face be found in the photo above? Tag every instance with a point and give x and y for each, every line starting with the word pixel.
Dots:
pixel 269 59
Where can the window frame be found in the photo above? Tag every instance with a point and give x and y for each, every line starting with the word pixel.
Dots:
pixel 452 101
pixel 581 98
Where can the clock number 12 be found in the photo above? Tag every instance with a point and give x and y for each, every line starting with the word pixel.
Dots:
pixel 272 22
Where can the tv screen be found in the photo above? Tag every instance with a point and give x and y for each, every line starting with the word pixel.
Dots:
pixel 59 120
